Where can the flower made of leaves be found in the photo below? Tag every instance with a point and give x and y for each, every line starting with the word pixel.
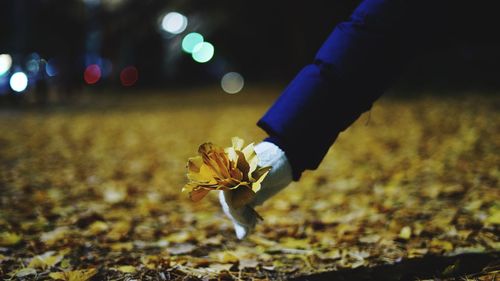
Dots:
pixel 232 169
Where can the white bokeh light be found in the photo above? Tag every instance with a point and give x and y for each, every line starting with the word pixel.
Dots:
pixel 18 82
pixel 5 63
pixel 174 23
pixel 232 82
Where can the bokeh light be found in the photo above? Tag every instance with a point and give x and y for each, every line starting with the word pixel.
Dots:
pixel 203 52
pixel 105 65
pixel 174 23
pixel 19 82
pixel 129 76
pixel 232 82
pixel 5 63
pixel 33 64
pixel 92 74
pixel 190 41
pixel 51 68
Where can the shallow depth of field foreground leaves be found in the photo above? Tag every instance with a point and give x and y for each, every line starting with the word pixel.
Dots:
pixel 94 192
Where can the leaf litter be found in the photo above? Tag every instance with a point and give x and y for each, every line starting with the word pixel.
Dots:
pixel 93 194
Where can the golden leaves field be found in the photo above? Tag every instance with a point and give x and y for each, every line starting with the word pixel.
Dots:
pixel 92 191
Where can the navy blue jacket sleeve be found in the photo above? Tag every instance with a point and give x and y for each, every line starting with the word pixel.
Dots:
pixel 351 70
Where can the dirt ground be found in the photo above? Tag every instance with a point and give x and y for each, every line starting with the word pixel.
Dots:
pixel 93 192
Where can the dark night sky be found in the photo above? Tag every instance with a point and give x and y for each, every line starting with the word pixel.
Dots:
pixel 266 40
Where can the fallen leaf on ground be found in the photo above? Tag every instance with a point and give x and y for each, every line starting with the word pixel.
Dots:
pixel 9 238
pixel 75 275
pixel 180 249
pixel 25 272
pixel 45 260
pixel 126 269
pixel 405 233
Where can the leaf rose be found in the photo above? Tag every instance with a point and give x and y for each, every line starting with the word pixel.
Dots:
pixel 234 168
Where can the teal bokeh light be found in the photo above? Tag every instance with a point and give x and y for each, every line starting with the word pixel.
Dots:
pixel 190 41
pixel 203 52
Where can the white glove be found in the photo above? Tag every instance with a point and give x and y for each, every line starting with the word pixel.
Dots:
pixel 280 176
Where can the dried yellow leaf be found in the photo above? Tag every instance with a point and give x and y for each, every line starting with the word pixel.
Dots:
pixel 119 230
pixel 125 246
pixel 290 242
pixel 216 267
pixel 96 228
pixel 225 257
pixel 441 245
pixel 405 233
pixel 126 269
pixel 494 215
pixel 9 238
pixel 179 237
pixel 25 272
pixel 45 260
pixel 51 237
pixel 75 275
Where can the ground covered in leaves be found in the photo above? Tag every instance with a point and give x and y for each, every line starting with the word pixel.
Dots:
pixel 93 191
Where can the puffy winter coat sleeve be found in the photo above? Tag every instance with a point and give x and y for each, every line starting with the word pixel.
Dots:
pixel 350 71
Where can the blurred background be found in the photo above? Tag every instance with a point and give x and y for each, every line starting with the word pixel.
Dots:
pixel 53 50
